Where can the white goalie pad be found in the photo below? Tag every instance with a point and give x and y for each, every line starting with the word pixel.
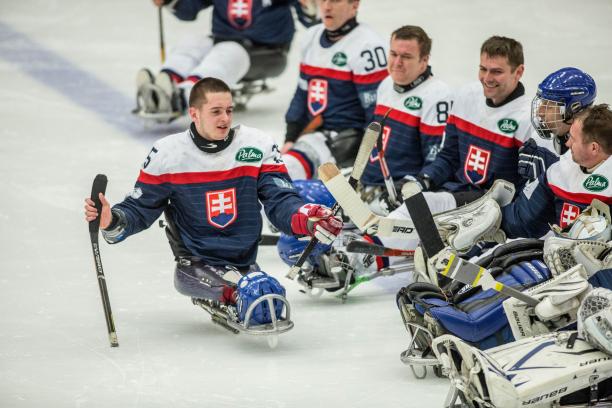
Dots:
pixel 595 319
pixel 477 221
pixel 460 228
pixel 533 371
pixel 559 301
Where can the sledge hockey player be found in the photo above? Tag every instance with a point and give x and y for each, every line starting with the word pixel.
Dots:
pixel 582 174
pixel 250 41
pixel 560 96
pixel 412 107
pixel 209 182
pixel 342 63
pixel 567 368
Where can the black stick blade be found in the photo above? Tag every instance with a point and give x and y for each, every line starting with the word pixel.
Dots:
pixel 423 220
pixel 98 186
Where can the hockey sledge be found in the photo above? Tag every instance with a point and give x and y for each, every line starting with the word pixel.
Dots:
pixel 227 317
pixel 544 371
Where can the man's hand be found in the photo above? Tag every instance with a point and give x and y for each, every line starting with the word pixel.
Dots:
pixel 91 213
pixel 317 221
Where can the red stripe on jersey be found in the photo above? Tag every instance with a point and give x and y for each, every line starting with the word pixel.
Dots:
pixel 397 115
pixel 432 130
pixel 302 161
pixel 273 168
pixel 483 133
pixel 370 78
pixel 326 72
pixel 198 177
pixel 582 198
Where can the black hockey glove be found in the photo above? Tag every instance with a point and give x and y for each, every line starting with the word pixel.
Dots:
pixel 534 160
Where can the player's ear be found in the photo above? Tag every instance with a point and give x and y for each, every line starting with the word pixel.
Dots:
pixel 193 114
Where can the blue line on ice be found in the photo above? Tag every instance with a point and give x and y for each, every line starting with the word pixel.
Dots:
pixel 76 84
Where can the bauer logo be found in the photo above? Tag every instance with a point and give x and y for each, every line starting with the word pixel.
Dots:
pixel 413 103
pixel 596 183
pixel 508 125
pixel 249 155
pixel 339 59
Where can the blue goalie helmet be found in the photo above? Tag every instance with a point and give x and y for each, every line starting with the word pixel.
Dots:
pixel 560 96
pixel 251 287
pixel 314 192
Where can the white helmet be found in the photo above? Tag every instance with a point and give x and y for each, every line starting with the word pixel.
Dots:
pixel 595 319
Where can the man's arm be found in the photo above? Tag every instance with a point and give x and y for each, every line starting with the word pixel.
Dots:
pixel 186 10
pixel 432 125
pixel 530 215
pixel 447 160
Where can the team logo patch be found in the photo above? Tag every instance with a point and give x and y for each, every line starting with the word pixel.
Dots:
pixel 249 155
pixel 413 103
pixel 240 13
pixel 221 208
pixel 339 59
pixel 569 213
pixel 507 125
pixel 317 96
pixel 596 183
pixel 385 139
pixel 476 165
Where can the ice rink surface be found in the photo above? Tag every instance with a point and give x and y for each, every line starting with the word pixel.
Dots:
pixel 66 88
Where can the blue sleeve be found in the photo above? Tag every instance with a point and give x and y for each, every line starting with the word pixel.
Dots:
pixel 146 203
pixel 531 214
pixel 446 162
pixel 279 198
pixel 297 111
pixel 367 98
pixel 187 10
pixel 306 20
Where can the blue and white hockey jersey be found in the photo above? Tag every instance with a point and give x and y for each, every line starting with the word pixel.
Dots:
pixel 413 130
pixel 481 142
pixel 339 80
pixel 557 197
pixel 214 197
pixel 260 21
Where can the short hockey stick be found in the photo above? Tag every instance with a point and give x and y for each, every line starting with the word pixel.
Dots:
pixel 369 248
pixel 268 239
pixel 367 143
pixel 456 268
pixel 99 186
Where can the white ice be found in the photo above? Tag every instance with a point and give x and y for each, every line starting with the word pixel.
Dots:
pixel 66 87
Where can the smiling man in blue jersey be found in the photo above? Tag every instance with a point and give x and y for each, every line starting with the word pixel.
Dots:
pixel 209 181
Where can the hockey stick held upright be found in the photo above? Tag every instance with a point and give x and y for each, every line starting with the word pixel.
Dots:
pixel 99 186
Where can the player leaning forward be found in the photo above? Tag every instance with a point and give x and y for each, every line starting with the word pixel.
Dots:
pixel 209 180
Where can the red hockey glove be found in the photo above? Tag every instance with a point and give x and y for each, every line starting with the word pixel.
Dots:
pixel 317 221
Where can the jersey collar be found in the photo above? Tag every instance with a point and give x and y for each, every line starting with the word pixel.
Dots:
pixel 209 146
pixel 517 93
pixel 418 81
pixel 329 37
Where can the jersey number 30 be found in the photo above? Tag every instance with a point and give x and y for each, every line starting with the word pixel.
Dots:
pixel 375 58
